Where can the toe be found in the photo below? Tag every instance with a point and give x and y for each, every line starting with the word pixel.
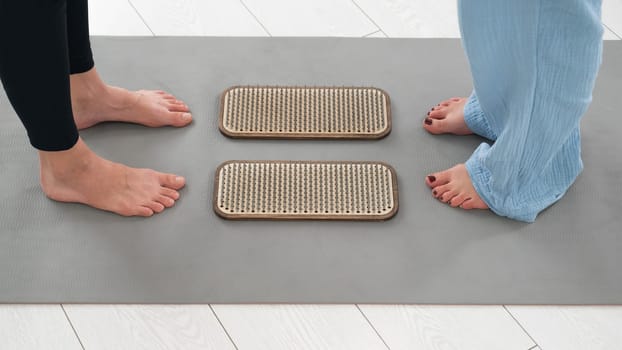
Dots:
pixel 178 107
pixel 474 203
pixel 468 204
pixel 437 114
pixel 437 179
pixel 172 181
pixel 435 126
pixel 157 207
pixel 160 93
pixel 165 201
pixel 446 196
pixel 166 95
pixel 144 211
pixel 457 200
pixel 181 118
pixel 439 191
pixel 170 193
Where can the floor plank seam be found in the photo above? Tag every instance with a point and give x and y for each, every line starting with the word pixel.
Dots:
pixel 369 18
pixel 141 17
pixel 533 347
pixel 72 327
pixel 521 327
pixel 611 30
pixel 372 326
pixel 256 18
pixel 223 327
pixel 372 33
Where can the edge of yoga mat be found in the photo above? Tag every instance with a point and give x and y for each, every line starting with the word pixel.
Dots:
pixel 54 252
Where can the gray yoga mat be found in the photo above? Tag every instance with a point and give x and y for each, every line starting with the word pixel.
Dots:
pixel 429 253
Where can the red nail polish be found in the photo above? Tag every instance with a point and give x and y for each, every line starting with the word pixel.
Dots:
pixel 428 121
pixel 434 193
pixel 428 113
pixel 432 178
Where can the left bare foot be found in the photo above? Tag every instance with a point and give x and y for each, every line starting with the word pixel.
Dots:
pixel 453 186
pixel 94 102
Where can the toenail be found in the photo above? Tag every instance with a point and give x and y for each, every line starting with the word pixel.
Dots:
pixel 179 179
pixel 187 116
pixel 434 192
pixel 428 113
pixel 432 178
pixel 428 121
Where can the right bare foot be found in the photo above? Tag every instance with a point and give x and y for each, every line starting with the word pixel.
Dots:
pixel 447 118
pixel 79 175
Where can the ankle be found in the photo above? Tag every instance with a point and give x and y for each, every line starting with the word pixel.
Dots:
pixel 64 165
pixel 87 86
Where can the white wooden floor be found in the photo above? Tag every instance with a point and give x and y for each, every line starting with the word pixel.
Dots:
pixel 303 326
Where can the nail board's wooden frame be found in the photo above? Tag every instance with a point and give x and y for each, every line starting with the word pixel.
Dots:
pixel 393 188
pixel 385 113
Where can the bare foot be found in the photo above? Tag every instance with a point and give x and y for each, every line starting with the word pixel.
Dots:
pixel 447 118
pixel 453 186
pixel 94 102
pixel 79 175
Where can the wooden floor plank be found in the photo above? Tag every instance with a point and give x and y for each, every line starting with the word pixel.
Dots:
pixel 198 17
pixel 311 18
pixel 33 327
pixel 446 327
pixel 612 16
pixel 414 18
pixel 298 327
pixel 135 327
pixel 572 327
pixel 377 34
pixel 609 35
pixel 115 17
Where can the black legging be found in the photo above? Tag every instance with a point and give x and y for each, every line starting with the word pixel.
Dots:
pixel 41 43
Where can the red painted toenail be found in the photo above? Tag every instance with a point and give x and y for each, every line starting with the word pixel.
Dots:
pixel 428 121
pixel 434 193
pixel 428 113
pixel 432 178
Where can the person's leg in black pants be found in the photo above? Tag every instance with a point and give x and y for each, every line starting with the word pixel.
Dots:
pixel 78 40
pixel 47 71
pixel 34 67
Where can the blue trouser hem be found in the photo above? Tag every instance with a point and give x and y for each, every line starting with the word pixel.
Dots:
pixel 481 177
pixel 476 119
pixel 524 204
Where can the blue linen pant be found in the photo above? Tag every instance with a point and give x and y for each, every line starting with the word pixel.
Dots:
pixel 534 64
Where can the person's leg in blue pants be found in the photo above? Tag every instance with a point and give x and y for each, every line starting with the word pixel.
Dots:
pixel 534 64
